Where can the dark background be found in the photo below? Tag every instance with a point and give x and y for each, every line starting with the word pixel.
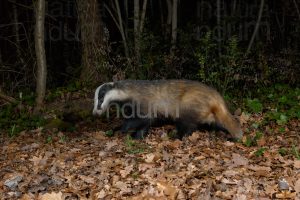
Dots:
pixel 273 58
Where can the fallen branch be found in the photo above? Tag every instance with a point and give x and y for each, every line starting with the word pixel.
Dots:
pixel 7 98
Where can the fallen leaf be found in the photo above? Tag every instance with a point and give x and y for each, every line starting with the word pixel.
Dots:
pixel 13 182
pixel 194 137
pixel 230 173
pixel 200 158
pixel 87 179
pixel 101 194
pixel 286 195
pixel 229 182
pixel 38 160
pixel 248 184
pixel 239 160
pixel 244 118
pixel 126 171
pixel 124 187
pixel 145 166
pixel 110 144
pixel 259 168
pixel 229 144
pixel 240 197
pixel 51 196
pixel 297 164
pixel 149 157
pixel 297 186
pixel 270 189
pixel 167 189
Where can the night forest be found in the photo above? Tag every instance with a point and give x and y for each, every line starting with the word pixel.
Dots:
pixel 242 55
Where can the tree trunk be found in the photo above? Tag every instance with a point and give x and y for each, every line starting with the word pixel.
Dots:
pixel 40 54
pixel 219 25
pixel 92 37
pixel 174 26
pixel 169 18
pixel 262 3
pixel 122 29
pixel 16 31
pixel 136 23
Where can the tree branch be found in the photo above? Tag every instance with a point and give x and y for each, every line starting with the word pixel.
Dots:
pixel 7 98
pixel 262 3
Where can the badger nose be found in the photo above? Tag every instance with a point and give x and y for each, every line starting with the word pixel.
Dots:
pixel 94 112
pixel 239 135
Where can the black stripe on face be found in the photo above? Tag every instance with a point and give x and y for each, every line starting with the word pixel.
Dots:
pixel 105 88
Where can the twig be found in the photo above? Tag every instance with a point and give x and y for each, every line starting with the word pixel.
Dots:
pixel 297 9
pixel 256 26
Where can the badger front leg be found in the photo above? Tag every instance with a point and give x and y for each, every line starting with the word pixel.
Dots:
pixel 140 127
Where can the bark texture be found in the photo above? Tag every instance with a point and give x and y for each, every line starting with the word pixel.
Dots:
pixel 92 37
pixel 40 53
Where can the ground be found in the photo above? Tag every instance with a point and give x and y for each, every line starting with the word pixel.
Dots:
pixel 89 164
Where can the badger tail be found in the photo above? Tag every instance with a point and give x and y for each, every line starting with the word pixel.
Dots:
pixel 227 121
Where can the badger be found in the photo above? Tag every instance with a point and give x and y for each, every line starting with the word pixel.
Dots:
pixel 186 103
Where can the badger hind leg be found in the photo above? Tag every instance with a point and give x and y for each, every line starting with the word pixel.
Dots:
pixel 185 128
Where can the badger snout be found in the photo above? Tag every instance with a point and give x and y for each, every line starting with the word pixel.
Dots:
pixel 97 112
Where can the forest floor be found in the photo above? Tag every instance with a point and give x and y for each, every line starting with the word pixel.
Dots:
pixel 88 164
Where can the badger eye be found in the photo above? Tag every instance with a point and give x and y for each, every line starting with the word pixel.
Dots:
pixel 99 103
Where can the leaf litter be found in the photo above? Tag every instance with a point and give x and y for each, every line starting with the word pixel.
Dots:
pixel 91 165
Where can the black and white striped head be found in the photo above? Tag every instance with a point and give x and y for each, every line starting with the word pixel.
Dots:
pixel 104 95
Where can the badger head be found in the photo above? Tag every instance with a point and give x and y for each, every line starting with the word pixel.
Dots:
pixel 104 95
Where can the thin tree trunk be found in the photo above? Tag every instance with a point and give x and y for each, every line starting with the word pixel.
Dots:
pixel 262 3
pixel 169 17
pixel 122 30
pixel 143 14
pixel 136 23
pixel 174 26
pixel 297 9
pixel 16 31
pixel 126 17
pixel 92 37
pixel 40 53
pixel 219 25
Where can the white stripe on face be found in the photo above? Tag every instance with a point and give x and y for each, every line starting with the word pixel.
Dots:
pixel 113 95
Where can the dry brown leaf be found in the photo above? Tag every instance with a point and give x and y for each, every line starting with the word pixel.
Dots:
pixel 38 162
pixel 297 164
pixel 244 118
pixel 87 179
pixel 101 194
pixel 167 189
pixel 240 197
pixel 261 142
pixel 145 166
pixel 259 168
pixel 126 171
pixel 229 144
pixel 271 189
pixel 194 137
pixel 229 182
pixel 286 195
pixel 230 173
pixel 124 187
pixel 200 158
pixel 247 184
pixel 149 157
pixel 27 197
pixel 110 144
pixel 297 186
pixel 51 196
pixel 239 160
